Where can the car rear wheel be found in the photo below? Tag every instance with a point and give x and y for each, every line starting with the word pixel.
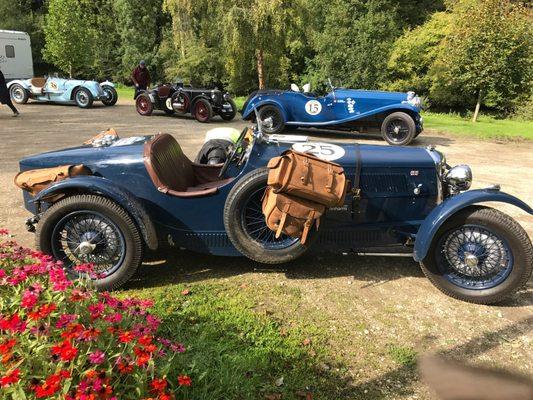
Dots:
pixel 203 112
pixel 91 229
pixel 181 103
pixel 83 98
pixel 398 129
pixel 111 95
pixel 143 104
pixel 246 227
pixel 19 94
pixel 229 114
pixel 272 121
pixel 479 255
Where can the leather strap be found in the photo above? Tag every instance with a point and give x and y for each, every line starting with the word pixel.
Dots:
pixel 305 176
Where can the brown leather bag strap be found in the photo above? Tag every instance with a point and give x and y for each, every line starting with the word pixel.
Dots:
pixel 305 176
pixel 331 174
pixel 356 188
pixel 285 211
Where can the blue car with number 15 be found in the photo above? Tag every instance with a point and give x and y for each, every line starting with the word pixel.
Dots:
pixel 395 115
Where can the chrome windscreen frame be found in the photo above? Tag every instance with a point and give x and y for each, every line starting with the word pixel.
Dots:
pixel 440 167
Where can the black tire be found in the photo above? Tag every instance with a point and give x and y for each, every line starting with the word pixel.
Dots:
pixel 112 95
pixel 398 129
pixel 131 253
pixel 253 184
pixel 18 94
pixel 203 112
pixel 503 227
pixel 278 123
pixel 181 98
pixel 143 104
pixel 229 116
pixel 83 98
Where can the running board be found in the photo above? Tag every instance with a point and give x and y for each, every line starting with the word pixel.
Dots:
pixel 386 254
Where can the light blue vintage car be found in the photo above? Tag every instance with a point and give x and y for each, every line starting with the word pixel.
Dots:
pixel 64 91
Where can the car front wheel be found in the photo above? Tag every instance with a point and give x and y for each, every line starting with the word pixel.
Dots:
pixel 203 112
pixel 271 120
pixel 246 226
pixel 111 95
pixel 229 114
pixel 19 94
pixel 398 129
pixel 88 229
pixel 479 255
pixel 83 98
pixel 143 104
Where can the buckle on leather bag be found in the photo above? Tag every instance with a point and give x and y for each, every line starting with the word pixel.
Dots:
pixel 356 193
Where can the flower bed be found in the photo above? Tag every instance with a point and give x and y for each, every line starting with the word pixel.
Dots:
pixel 60 339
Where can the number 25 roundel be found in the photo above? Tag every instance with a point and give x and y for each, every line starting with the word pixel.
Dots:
pixel 313 107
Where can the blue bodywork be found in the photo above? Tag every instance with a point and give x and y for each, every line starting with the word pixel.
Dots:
pixel 390 217
pixel 339 109
pixel 61 90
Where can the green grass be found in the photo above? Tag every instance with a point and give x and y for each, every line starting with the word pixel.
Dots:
pixel 124 92
pixel 486 127
pixel 239 100
pixel 402 355
pixel 236 350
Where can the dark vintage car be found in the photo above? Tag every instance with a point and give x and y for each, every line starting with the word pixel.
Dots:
pixel 203 104
pixel 395 115
pixel 143 192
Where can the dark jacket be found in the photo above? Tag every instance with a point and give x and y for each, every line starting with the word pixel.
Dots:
pixel 142 76
pixel 4 93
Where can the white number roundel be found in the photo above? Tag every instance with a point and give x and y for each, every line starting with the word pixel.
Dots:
pixel 325 151
pixel 313 107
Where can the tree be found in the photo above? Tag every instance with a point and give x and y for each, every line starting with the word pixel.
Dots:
pixel 354 45
pixel 69 35
pixel 414 53
pixel 140 24
pixel 488 54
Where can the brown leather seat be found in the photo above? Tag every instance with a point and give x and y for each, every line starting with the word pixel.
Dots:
pixel 38 82
pixel 173 173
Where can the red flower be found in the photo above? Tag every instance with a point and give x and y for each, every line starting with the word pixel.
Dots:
pixel 10 378
pixel 158 385
pixel 125 367
pixel 65 350
pixel 13 324
pixel 6 346
pixel 44 311
pixel 184 380
pixel 143 357
pixel 51 385
pixel 126 337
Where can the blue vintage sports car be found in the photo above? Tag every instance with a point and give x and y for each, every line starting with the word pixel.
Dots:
pixel 395 115
pixel 64 91
pixel 141 193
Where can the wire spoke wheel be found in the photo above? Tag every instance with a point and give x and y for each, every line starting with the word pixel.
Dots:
pixel 18 95
pixel 82 98
pixel 397 130
pixel 474 257
pixel 255 226
pixel 88 237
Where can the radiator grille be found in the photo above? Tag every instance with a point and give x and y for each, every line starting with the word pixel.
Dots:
pixel 384 183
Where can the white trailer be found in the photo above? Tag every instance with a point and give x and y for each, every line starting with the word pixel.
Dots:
pixel 15 55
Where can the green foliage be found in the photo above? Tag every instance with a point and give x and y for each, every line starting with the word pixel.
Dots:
pixel 355 43
pixel 415 52
pixel 402 355
pixel 488 54
pixel 69 35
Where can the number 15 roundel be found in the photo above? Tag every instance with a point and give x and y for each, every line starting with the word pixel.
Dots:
pixel 313 107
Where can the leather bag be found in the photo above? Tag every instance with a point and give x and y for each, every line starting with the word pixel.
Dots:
pixel 36 180
pixel 306 176
pixel 291 215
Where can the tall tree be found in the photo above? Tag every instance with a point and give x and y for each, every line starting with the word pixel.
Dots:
pixel 488 55
pixel 139 25
pixel 69 35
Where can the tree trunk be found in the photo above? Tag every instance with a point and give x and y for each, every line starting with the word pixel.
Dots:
pixel 70 72
pixel 260 68
pixel 478 105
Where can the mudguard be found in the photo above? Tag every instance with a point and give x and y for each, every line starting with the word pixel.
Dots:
pixel 253 105
pixel 449 207
pixel 24 84
pixel 106 188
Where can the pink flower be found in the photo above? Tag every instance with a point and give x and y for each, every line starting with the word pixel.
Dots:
pixel 4 231
pixel 96 310
pixel 65 319
pixel 97 357
pixel 29 299
pixel 113 318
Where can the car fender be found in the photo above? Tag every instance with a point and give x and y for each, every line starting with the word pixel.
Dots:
pixel 107 83
pixel 451 206
pixel 22 83
pixel 253 104
pixel 106 188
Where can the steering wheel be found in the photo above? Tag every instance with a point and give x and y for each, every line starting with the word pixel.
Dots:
pixel 233 153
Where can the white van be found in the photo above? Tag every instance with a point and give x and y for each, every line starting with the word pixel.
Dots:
pixel 15 55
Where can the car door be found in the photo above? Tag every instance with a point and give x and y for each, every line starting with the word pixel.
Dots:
pixel 309 109
pixel 54 87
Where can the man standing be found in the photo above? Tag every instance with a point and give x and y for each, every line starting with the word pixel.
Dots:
pixel 140 78
pixel 5 98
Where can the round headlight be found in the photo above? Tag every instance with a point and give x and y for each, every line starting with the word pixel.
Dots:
pixel 459 178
